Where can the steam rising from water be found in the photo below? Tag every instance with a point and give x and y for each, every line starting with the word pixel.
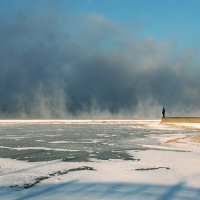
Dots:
pixel 53 64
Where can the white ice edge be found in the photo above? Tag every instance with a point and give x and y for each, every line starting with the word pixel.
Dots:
pixel 37 148
pixel 72 121
pixel 144 124
pixel 90 141
pixel 155 124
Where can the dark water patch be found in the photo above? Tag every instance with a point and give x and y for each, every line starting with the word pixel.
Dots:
pixel 107 155
pixel 151 168
pixel 57 173
pixel 161 149
pixel 38 155
pixel 79 156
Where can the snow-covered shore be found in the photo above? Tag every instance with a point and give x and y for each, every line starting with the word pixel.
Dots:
pixel 165 175
pixel 167 170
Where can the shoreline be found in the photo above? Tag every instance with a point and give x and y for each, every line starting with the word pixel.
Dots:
pixel 180 120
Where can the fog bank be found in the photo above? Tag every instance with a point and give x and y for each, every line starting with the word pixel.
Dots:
pixel 57 65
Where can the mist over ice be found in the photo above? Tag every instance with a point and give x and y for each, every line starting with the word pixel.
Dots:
pixel 57 65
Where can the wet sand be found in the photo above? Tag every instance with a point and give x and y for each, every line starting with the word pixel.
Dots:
pixel 184 140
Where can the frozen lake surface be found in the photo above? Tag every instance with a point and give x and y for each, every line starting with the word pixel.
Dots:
pixel 78 140
pixel 98 159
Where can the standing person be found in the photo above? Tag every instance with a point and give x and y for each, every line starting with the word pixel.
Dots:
pixel 163 112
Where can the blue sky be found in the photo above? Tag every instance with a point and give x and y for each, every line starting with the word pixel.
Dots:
pixel 171 20
pixel 176 20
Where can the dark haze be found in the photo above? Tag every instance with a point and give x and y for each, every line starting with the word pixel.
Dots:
pixel 57 65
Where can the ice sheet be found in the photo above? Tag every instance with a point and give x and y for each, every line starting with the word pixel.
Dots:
pixel 162 169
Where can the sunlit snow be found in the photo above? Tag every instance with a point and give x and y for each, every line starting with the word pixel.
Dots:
pixel 99 159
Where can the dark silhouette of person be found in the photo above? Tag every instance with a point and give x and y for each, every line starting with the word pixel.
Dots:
pixel 163 112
